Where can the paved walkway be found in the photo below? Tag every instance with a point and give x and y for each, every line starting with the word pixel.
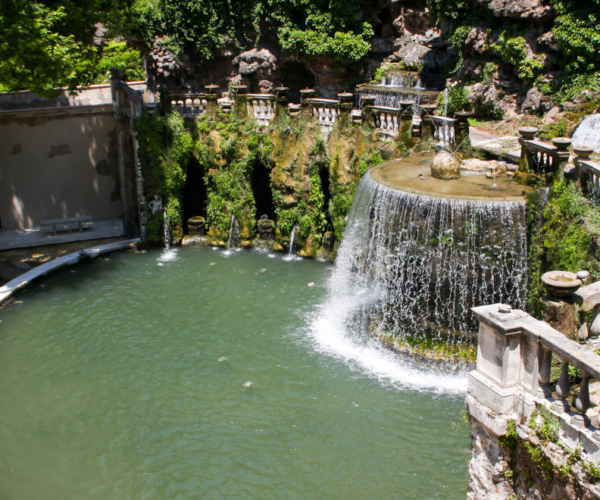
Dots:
pixel 36 237
pixel 506 148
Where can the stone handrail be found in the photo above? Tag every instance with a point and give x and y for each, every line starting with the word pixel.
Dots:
pixel 262 107
pixel 445 131
pixel 189 104
pixel 512 378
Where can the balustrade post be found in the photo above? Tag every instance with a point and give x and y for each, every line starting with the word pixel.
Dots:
pixel 427 126
pixel 527 134
pixel 582 333
pixel 582 402
pixel 544 368
pixel 461 127
pixel 561 405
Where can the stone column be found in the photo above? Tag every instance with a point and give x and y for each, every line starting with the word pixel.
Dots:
pixel 462 129
pixel 405 128
pixel 427 126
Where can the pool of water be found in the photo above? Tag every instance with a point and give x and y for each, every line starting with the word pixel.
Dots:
pixel 114 386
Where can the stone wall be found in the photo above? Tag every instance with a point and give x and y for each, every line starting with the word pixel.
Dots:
pixel 56 163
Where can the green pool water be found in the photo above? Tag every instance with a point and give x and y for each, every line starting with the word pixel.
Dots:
pixel 113 386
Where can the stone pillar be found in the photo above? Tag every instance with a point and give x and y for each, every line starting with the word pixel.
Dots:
pixel 165 100
pixel 405 128
pixel 305 95
pixel 462 129
pixel 560 313
pixel 368 115
pixel 346 104
pixel 240 108
pixel 527 134
pixel 281 101
pixel 427 126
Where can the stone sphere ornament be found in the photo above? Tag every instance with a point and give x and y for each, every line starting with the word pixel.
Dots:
pixel 445 166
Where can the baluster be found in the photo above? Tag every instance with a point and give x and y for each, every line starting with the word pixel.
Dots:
pixel 263 110
pixel 188 107
pixel 544 368
pixel 582 403
pixel 595 324
pixel 582 333
pixel 395 120
pixel 561 405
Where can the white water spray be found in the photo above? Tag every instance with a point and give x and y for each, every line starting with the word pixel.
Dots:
pixel 410 267
pixel 231 227
pixel 168 254
pixel 588 133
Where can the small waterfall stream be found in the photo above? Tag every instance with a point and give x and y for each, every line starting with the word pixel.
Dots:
pixel 588 133
pixel 411 267
pixel 231 228
pixel 168 253
pixel 292 238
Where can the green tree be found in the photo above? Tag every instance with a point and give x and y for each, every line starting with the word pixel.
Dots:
pixel 46 44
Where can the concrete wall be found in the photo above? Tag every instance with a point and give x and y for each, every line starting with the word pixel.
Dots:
pixel 56 163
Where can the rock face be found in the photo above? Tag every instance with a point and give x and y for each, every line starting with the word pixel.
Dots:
pixel 445 166
pixel 534 9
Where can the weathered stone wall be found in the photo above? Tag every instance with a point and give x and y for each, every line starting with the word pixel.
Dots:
pixel 57 163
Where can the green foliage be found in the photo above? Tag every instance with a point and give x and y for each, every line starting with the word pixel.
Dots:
pixel 48 43
pixel 166 146
pixel 513 50
pixel 379 73
pixel 458 100
pixel 488 72
pixel 124 58
pixel 327 28
pixel 543 464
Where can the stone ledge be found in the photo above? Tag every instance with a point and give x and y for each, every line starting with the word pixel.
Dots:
pixel 15 286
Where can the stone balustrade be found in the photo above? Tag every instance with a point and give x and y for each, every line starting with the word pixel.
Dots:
pixel 189 104
pixel 445 131
pixel 512 377
pixel 541 158
pixel 327 112
pixel 387 121
pixel 589 177
pixel 261 107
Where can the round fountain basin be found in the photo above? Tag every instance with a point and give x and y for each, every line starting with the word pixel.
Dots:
pixel 413 175
pixel 561 283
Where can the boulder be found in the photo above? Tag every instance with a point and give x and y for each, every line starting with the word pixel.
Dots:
pixel 445 166
pixel 532 9
pixel 477 165
pixel 561 315
pixel 536 102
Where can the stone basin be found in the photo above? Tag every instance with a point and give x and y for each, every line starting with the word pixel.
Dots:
pixel 528 133
pixel 413 174
pixel 560 283
pixel 561 143
pixel 583 152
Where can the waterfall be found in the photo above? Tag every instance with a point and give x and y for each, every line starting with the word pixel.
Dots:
pixel 168 254
pixel 231 228
pixel 402 79
pixel 292 238
pixel 167 232
pixel 588 133
pixel 411 266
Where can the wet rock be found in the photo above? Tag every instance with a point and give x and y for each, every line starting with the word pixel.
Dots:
pixel 445 166
pixel 380 45
pixel 266 229
pixel 552 115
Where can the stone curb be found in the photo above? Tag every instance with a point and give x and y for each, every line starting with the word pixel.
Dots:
pixel 13 287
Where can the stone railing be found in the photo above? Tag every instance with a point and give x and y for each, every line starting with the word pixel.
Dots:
pixel 261 107
pixel 387 121
pixel 327 112
pixel 589 177
pixel 189 104
pixel 512 378
pixel 444 130
pixel 541 158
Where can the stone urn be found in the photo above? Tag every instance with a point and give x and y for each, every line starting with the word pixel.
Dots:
pixel 429 108
pixel 560 283
pixel 583 152
pixel 445 166
pixel 240 89
pixel 561 143
pixel 528 133
pixel 368 100
pixel 212 88
pixel 346 96
pixel 307 93
pixel 196 226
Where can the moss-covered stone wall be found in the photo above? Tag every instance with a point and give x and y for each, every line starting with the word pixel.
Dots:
pixel 312 178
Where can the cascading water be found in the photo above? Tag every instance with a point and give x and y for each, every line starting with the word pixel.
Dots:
pixel 588 133
pixel 411 266
pixel 292 238
pixel 231 228
pixel 168 253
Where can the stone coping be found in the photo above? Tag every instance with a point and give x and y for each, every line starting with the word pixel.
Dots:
pixel 80 109
pixel 13 287
pixel 520 323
